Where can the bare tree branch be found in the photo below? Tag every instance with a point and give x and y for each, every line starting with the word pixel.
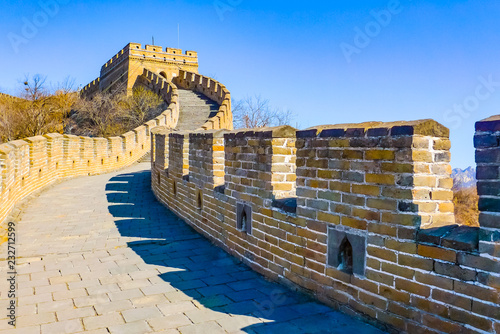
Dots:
pixel 255 112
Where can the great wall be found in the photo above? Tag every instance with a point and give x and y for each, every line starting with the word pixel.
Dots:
pixel 360 216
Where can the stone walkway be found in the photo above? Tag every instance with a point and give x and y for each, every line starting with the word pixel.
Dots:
pixel 100 255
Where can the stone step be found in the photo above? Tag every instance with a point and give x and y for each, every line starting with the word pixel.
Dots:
pixel 194 109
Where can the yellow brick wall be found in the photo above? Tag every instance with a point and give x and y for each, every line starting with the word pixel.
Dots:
pixel 386 181
pixel 31 164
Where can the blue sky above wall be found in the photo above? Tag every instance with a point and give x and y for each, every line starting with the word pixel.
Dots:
pixel 329 62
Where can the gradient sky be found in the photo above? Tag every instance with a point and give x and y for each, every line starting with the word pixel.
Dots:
pixel 329 62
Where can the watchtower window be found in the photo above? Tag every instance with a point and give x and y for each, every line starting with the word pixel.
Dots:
pixel 345 256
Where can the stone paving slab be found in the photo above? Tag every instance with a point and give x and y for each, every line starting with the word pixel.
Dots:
pixel 100 255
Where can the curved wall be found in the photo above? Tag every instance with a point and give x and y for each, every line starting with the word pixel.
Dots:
pixel 358 215
pixel 30 164
pixel 215 91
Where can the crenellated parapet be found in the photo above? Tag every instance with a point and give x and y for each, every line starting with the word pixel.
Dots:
pixel 487 143
pixel 213 90
pixel 33 163
pixel 90 89
pixel 151 53
pixel 358 215
pixel 122 71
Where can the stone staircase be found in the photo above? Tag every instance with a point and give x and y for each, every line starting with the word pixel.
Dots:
pixel 195 110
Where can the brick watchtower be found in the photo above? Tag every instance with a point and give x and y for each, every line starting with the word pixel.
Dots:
pixel 127 65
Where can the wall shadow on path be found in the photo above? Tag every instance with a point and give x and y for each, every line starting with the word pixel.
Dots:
pixel 209 275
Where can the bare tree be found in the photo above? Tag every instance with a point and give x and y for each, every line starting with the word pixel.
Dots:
pixel 43 111
pixel 38 111
pixel 255 112
pixel 142 106
pixel 34 88
pixel 100 116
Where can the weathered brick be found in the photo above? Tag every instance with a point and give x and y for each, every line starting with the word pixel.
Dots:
pixel 479 262
pixel 381 253
pixel 413 287
pixel 382 204
pixel 388 179
pixel 379 277
pixel 476 291
pixel 454 271
pixel 415 262
pixel 398 270
pixel 452 299
pixel 441 324
pixel 401 246
pixel 329 218
pixel 437 253
pixel 470 318
pixel 432 279
pixel 429 306
pixel 379 228
pixel 380 155
pixel 366 189
pixel 373 299
pixel 487 310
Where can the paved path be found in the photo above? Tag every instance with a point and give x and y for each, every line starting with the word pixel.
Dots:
pixel 100 255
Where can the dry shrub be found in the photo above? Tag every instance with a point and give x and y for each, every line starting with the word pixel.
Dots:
pixel 466 209
pixel 38 111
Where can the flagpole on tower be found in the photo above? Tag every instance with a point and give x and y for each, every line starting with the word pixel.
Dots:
pixel 178 36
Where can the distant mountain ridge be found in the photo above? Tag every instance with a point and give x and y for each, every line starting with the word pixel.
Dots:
pixel 464 178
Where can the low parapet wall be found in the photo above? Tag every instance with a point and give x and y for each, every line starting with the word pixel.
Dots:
pixel 359 215
pixel 213 90
pixel 33 163
pixel 90 89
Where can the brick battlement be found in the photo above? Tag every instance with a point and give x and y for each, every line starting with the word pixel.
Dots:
pixel 358 215
pixel 33 163
pixel 123 70
pixel 153 53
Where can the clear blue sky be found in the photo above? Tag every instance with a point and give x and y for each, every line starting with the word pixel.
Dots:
pixel 328 61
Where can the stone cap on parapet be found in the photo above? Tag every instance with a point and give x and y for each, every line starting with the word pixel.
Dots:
pixel 7 148
pixel 459 237
pixel 161 130
pixel 283 131
pixel 35 139
pixel 179 134
pixel 425 127
pixel 490 124
pixel 17 143
pixel 53 136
